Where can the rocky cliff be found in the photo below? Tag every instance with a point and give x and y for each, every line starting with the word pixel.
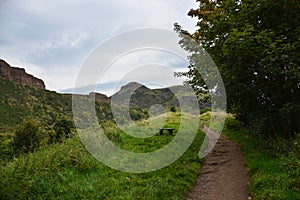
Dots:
pixel 99 97
pixel 19 75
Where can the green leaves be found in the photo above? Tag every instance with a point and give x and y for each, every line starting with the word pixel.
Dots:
pixel 27 137
pixel 255 45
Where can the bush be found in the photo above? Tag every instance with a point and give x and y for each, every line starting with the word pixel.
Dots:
pixel 62 128
pixel 27 137
pixel 5 147
pixel 173 109
pixel 112 132
pixel 204 110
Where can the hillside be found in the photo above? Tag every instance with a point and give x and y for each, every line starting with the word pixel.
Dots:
pixel 24 96
pixel 144 97
pixel 21 101
pixel 64 168
pixel 18 102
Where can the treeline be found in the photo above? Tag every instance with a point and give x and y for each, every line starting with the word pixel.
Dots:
pixel 256 46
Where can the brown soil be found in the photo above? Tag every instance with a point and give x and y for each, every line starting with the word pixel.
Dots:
pixel 223 174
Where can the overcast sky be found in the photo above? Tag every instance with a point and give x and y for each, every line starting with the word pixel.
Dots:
pixel 52 39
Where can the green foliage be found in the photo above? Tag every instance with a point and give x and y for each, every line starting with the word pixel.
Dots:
pixel 273 164
pixel 67 171
pixel 173 109
pixel 19 101
pixel 63 128
pixel 112 132
pixel 6 147
pixel 204 110
pixel 104 113
pixel 256 47
pixel 27 137
pixel 137 113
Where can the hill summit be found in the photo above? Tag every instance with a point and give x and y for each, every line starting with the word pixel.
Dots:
pixel 138 95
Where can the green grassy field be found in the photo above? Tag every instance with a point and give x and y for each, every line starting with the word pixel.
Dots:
pixel 67 171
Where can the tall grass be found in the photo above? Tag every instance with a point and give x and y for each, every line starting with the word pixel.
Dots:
pixel 68 171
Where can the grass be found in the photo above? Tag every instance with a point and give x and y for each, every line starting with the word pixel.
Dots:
pixel 68 171
pixel 273 163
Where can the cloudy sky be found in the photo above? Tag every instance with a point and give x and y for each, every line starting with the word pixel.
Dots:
pixel 52 39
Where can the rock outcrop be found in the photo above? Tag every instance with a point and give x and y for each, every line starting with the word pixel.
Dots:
pixel 99 97
pixel 19 75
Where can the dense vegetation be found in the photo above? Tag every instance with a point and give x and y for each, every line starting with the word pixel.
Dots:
pixel 256 46
pixel 32 117
pixel 68 171
pixel 20 101
pixel 43 157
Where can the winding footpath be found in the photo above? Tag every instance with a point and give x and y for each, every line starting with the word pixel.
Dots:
pixel 223 175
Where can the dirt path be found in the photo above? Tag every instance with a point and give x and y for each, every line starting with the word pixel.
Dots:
pixel 223 175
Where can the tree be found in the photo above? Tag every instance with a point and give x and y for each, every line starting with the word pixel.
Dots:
pixel 173 109
pixel 27 137
pixel 256 46
pixel 63 127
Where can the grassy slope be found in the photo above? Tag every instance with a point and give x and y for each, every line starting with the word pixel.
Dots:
pixel 68 171
pixel 20 101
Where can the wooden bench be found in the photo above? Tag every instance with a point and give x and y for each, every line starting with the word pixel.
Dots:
pixel 161 130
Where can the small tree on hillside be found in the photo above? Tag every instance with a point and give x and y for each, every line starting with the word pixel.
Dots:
pixel 173 109
pixel 63 128
pixel 27 137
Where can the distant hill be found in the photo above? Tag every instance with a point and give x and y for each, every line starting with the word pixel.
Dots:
pixel 23 95
pixel 19 75
pixel 18 101
pixel 141 96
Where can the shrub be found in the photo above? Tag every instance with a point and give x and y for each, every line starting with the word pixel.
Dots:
pixel 5 147
pixel 204 110
pixel 62 128
pixel 112 131
pixel 173 109
pixel 27 137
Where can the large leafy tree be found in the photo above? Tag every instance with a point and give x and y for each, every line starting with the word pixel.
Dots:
pixel 256 46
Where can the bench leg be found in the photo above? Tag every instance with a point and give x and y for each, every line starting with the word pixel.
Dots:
pixel 161 131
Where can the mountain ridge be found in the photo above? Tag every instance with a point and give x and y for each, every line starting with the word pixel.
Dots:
pixel 132 94
pixel 19 75
pixel 136 94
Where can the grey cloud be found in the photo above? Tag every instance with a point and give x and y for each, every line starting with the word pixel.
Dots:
pixel 60 34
